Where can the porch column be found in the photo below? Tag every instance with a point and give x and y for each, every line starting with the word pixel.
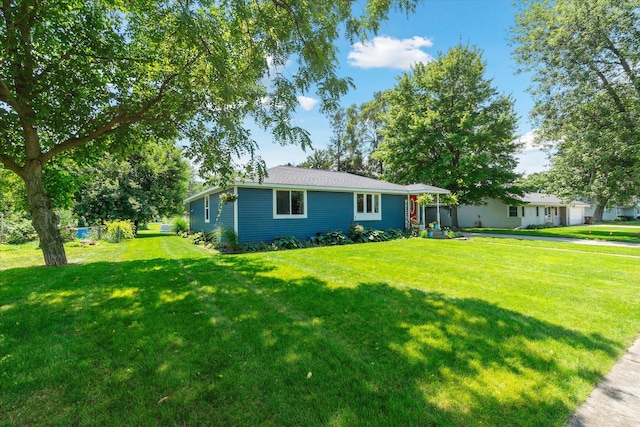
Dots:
pixel 438 209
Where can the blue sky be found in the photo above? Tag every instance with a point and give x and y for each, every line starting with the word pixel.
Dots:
pixel 436 26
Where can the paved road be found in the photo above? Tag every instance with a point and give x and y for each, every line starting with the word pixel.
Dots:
pixel 615 402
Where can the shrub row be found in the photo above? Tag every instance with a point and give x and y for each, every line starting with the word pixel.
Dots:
pixel 539 226
pixel 225 240
pixel 18 230
pixel 623 218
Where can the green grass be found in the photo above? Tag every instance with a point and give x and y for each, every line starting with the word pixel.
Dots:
pixel 414 332
pixel 615 232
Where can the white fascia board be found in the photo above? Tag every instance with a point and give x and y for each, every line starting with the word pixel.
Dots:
pixel 209 190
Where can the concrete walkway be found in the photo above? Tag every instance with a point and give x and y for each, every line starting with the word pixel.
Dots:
pixel 615 402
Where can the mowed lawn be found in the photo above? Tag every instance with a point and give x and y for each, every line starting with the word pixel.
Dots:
pixel 405 333
pixel 616 232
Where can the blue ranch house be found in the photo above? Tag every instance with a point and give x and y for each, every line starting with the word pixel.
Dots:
pixel 303 202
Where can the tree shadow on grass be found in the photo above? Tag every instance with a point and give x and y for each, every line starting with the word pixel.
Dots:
pixel 228 342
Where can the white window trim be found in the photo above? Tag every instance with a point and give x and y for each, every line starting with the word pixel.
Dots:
pixel 374 216
pixel 207 209
pixel 289 216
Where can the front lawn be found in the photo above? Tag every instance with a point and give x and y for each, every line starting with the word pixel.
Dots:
pixel 615 232
pixel 409 332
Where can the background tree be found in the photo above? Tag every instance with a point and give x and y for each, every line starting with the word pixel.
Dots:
pixel 369 124
pixel 10 192
pixel 337 150
pixel 147 185
pixel 447 126
pixel 538 182
pixel 584 56
pixel 320 159
pixel 357 134
pixel 78 77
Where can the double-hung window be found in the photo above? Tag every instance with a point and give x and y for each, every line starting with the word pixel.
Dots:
pixel 513 211
pixel 367 207
pixel 289 204
pixel 207 210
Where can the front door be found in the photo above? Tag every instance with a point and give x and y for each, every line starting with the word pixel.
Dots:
pixel 413 209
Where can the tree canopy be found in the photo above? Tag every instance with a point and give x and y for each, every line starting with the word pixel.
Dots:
pixel 448 126
pixel 586 84
pixel 356 136
pixel 144 186
pixel 81 77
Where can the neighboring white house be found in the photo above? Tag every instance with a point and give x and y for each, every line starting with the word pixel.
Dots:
pixel 609 214
pixel 538 208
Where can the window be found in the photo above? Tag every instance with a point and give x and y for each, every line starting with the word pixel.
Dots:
pixel 289 204
pixel 367 207
pixel 523 212
pixel 206 208
pixel 513 211
pixel 537 210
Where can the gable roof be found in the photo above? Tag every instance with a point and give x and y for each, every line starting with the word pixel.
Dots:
pixel 542 199
pixel 322 180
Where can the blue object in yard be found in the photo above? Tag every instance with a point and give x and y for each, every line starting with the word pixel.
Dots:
pixel 82 232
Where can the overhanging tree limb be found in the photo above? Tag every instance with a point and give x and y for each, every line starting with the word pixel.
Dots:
pixel 109 126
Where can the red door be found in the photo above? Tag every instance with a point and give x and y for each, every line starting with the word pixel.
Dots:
pixel 413 209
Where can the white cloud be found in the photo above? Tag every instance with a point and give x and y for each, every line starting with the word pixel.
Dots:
pixel 387 52
pixel 532 161
pixel 307 103
pixel 529 142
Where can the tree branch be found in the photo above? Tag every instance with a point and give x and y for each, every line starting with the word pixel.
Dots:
pixel 110 126
pixel 64 57
pixel 10 164
pixel 614 96
pixel 624 64
pixel 4 92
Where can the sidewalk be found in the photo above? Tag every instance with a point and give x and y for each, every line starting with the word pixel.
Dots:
pixel 615 402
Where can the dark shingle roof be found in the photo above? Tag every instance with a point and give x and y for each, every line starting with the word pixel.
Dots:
pixel 315 178
pixel 293 177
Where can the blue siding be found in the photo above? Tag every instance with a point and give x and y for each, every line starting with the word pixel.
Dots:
pixel 196 214
pixel 325 211
pixel 392 213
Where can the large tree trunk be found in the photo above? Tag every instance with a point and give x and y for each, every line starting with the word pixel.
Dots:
pixel 454 217
pixel 601 204
pixel 597 214
pixel 44 220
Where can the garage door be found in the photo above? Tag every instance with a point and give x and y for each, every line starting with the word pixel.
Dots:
pixel 575 216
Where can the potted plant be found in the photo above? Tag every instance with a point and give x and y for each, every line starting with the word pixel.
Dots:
pixel 430 230
pixel 228 198
pixel 425 199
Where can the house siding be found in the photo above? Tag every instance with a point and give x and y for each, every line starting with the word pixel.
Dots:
pixel 196 214
pixel 325 211
pixel 494 214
